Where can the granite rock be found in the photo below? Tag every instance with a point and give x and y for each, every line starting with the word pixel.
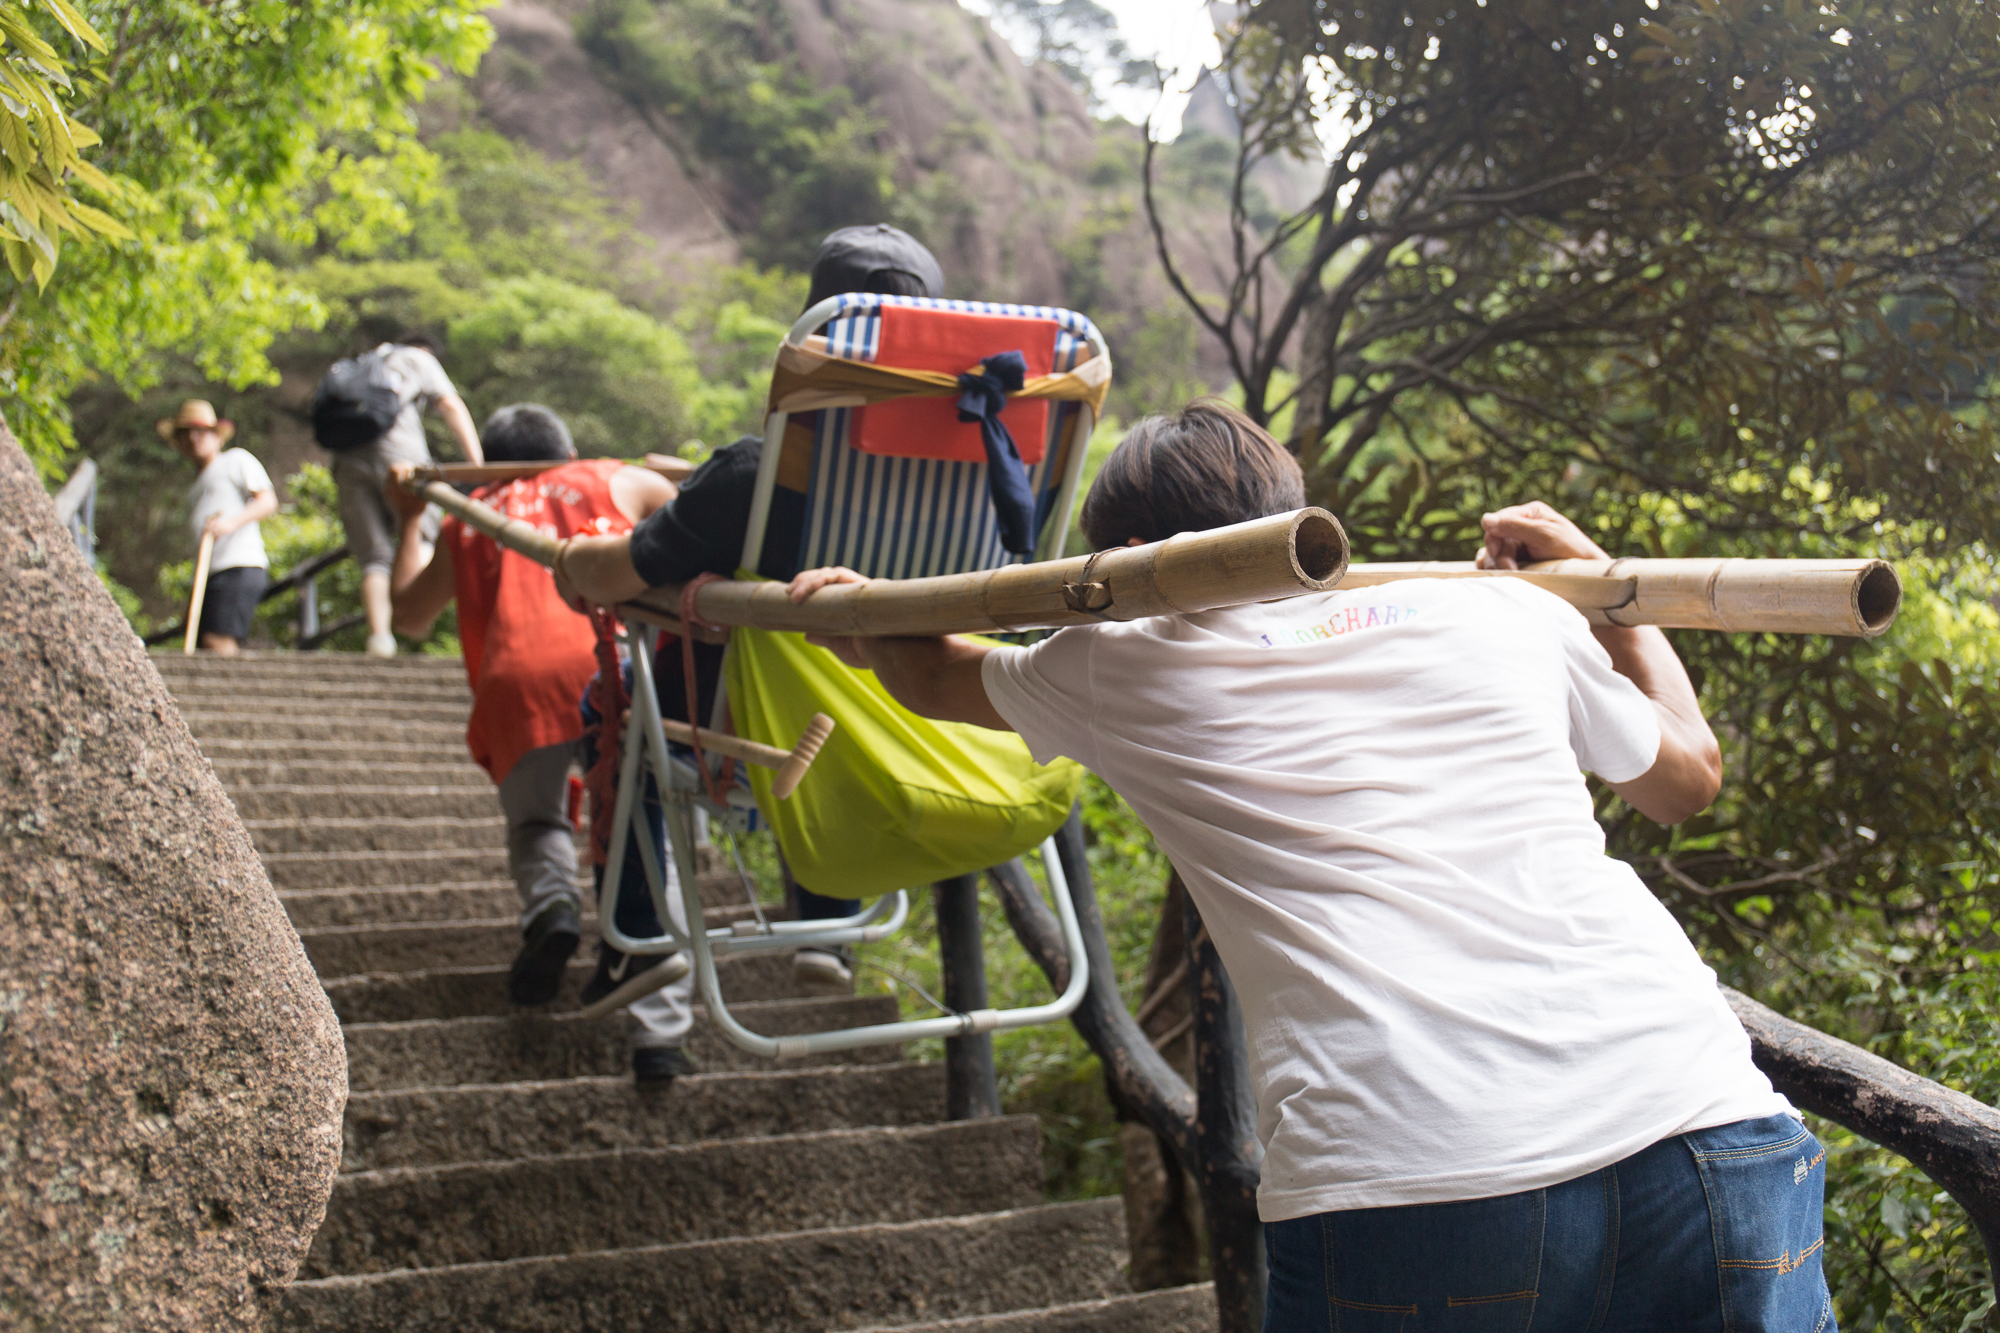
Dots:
pixel 171 1074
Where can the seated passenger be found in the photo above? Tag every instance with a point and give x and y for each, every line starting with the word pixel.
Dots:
pixel 528 660
pixel 701 531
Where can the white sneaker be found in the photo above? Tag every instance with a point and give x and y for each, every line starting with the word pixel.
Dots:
pixel 381 645
pixel 820 972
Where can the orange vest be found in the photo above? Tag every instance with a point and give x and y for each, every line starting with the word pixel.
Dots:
pixel 527 656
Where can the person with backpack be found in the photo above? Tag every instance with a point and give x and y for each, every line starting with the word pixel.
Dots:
pixel 368 410
pixel 528 660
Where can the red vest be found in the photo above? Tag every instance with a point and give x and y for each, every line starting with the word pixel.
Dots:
pixel 527 656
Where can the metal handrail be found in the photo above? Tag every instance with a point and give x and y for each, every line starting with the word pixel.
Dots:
pixel 304 577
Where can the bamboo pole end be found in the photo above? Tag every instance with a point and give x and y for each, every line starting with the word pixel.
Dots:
pixel 1877 598
pixel 1319 549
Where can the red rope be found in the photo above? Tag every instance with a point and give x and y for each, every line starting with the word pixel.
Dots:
pixel 609 698
pixel 716 785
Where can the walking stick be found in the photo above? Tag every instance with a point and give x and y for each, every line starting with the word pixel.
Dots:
pixel 200 591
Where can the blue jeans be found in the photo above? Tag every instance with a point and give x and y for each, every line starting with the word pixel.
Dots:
pixel 1716 1231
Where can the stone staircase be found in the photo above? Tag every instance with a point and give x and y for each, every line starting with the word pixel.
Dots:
pixel 502 1172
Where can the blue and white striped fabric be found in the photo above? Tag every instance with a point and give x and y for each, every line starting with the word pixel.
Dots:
pixel 906 518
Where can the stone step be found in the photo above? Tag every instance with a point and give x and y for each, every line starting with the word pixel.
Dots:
pixel 312 732
pixel 330 801
pixel 372 716
pixel 365 756
pixel 339 837
pixel 535 1047
pixel 287 766
pixel 284 664
pixel 200 692
pixel 367 870
pixel 490 946
pixel 890 1273
pixel 473 900
pixel 477 1213
pixel 1172 1310
pixel 500 1122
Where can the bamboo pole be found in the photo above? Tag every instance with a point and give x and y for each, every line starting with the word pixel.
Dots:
pixel 199 593
pixel 672 468
pixel 1283 555
pixel 1857 598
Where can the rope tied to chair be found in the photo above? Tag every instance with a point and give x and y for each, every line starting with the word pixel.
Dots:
pixel 982 396
pixel 717 785
pixel 610 699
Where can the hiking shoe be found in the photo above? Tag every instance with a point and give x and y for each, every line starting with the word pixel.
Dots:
pixel 659 1065
pixel 381 645
pixel 621 978
pixel 823 971
pixel 546 945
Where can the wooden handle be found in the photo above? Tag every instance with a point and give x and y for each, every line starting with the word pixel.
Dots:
pixel 800 759
pixel 200 592
pixel 672 468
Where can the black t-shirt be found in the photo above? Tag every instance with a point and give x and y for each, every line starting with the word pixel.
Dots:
pixel 701 530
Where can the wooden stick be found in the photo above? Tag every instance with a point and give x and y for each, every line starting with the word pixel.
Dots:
pixel 791 764
pixel 1262 560
pixel 200 592
pixel 1858 598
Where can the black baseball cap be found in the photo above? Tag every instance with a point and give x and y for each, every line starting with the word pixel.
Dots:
pixel 878 258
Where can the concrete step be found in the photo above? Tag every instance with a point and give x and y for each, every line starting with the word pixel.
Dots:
pixel 373 709
pixel 1172 1310
pixel 892 1273
pixel 339 837
pixel 431 1217
pixel 310 732
pixel 534 1047
pixel 501 1122
pixel 334 802
pixel 242 773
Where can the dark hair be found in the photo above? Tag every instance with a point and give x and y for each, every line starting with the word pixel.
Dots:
pixel 1206 466
pixel 526 433
pixel 419 340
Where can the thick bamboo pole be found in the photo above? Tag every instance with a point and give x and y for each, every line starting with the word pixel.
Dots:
pixel 672 468
pixel 1268 558
pixel 1847 597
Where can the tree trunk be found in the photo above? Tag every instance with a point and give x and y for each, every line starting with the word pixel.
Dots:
pixel 1229 1158
pixel 971 1090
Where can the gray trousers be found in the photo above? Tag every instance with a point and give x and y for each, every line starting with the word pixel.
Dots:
pixel 541 857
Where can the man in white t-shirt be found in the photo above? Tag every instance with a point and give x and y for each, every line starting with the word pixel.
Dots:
pixel 1493 1075
pixel 367 516
pixel 229 498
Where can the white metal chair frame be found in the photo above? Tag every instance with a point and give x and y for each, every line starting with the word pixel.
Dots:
pixel 682 791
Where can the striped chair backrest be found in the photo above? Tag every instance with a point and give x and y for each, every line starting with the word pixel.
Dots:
pixel 905 518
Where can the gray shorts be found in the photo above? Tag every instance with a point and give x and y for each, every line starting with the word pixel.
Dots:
pixel 366 515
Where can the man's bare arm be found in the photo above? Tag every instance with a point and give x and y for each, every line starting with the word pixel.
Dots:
pixel 418 591
pixel 1687 775
pixel 932 677
pixel 458 419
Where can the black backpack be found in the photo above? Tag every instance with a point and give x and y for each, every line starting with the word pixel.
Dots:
pixel 355 403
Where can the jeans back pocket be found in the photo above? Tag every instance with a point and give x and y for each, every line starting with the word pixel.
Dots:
pixel 1766 1186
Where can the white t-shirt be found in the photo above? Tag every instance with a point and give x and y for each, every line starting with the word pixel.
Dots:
pixel 421 381
pixel 1374 796
pixel 224 487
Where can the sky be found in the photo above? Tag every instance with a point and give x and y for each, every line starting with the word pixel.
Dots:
pixel 1177 33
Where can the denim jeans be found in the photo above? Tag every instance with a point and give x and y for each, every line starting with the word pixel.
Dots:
pixel 1715 1231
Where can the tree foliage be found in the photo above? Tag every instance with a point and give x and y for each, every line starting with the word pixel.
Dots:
pixel 226 128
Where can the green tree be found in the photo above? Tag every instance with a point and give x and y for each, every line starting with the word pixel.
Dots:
pixel 226 129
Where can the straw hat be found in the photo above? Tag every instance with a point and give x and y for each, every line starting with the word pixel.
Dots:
pixel 194 414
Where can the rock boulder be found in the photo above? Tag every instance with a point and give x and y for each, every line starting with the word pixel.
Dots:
pixel 171 1074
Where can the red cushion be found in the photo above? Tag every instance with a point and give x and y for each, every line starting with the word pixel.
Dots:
pixel 953 342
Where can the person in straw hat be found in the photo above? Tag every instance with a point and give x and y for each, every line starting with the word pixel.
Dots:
pixel 227 500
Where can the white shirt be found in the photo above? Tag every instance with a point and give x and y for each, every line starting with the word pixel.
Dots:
pixel 420 381
pixel 1375 797
pixel 224 487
